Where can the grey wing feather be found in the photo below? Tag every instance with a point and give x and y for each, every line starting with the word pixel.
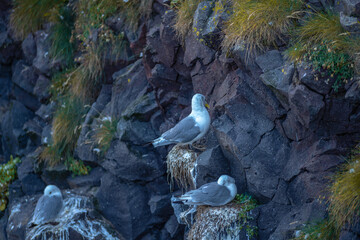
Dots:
pixel 210 194
pixel 185 131
pixel 47 209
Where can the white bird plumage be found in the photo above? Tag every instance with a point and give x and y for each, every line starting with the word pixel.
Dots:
pixel 213 194
pixel 191 128
pixel 48 206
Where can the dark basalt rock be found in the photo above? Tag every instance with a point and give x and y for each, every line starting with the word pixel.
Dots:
pixel 125 205
pixel 13 136
pixel 132 166
pixel 29 48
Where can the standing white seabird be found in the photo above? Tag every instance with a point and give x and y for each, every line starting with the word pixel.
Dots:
pixel 48 206
pixel 191 128
pixel 212 194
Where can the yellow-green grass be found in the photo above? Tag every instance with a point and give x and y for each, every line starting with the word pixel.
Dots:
pixel 259 23
pixel 319 28
pixel 66 128
pixel 185 11
pixel 344 203
pixel 344 200
pixel 322 42
pixel 29 15
pixel 7 175
pixel 322 230
pixel 105 133
pixel 62 45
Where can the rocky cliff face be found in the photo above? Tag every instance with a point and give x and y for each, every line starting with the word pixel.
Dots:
pixel 276 130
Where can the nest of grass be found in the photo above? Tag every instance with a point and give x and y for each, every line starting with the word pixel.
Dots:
pixel 180 166
pixel 216 222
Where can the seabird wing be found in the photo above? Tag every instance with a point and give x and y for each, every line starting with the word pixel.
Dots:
pixel 47 209
pixel 211 194
pixel 185 131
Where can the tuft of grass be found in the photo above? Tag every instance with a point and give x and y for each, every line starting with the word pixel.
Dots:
pixel 330 50
pixel 62 45
pixel 105 133
pixel 180 165
pixel 66 128
pixel 133 11
pixel 7 175
pixel 185 11
pixel 322 230
pixel 344 201
pixel 259 23
pixel 29 15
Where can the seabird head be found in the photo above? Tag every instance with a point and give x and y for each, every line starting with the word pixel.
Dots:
pixel 198 102
pixel 225 179
pixel 52 190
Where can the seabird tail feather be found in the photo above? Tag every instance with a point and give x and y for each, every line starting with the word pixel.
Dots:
pixel 161 142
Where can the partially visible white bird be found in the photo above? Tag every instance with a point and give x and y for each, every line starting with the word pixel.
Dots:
pixel 213 194
pixel 48 206
pixel 191 128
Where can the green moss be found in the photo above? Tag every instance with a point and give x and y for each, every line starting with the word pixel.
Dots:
pixel 7 175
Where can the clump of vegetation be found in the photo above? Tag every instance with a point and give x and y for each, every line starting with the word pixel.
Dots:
pixel 224 221
pixel 344 203
pixel 7 175
pixel 345 192
pixel 256 24
pixel 77 167
pixel 247 204
pixel 322 41
pixel 322 230
pixel 180 165
pixel 185 11
pixel 29 15
pixel 105 133
pixel 62 45
pixel 66 129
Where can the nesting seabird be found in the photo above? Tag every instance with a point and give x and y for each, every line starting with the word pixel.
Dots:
pixel 48 206
pixel 191 128
pixel 213 194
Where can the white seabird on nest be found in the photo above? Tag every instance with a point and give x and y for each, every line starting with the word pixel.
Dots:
pixel 48 206
pixel 191 128
pixel 213 194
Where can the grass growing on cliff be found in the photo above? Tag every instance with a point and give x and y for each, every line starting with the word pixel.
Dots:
pixel 29 15
pixel 322 230
pixel 331 51
pixel 62 46
pixel 256 24
pixel 66 128
pixel 344 202
pixel 105 133
pixel 185 11
pixel 7 175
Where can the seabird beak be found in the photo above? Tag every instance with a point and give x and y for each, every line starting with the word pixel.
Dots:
pixel 207 105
